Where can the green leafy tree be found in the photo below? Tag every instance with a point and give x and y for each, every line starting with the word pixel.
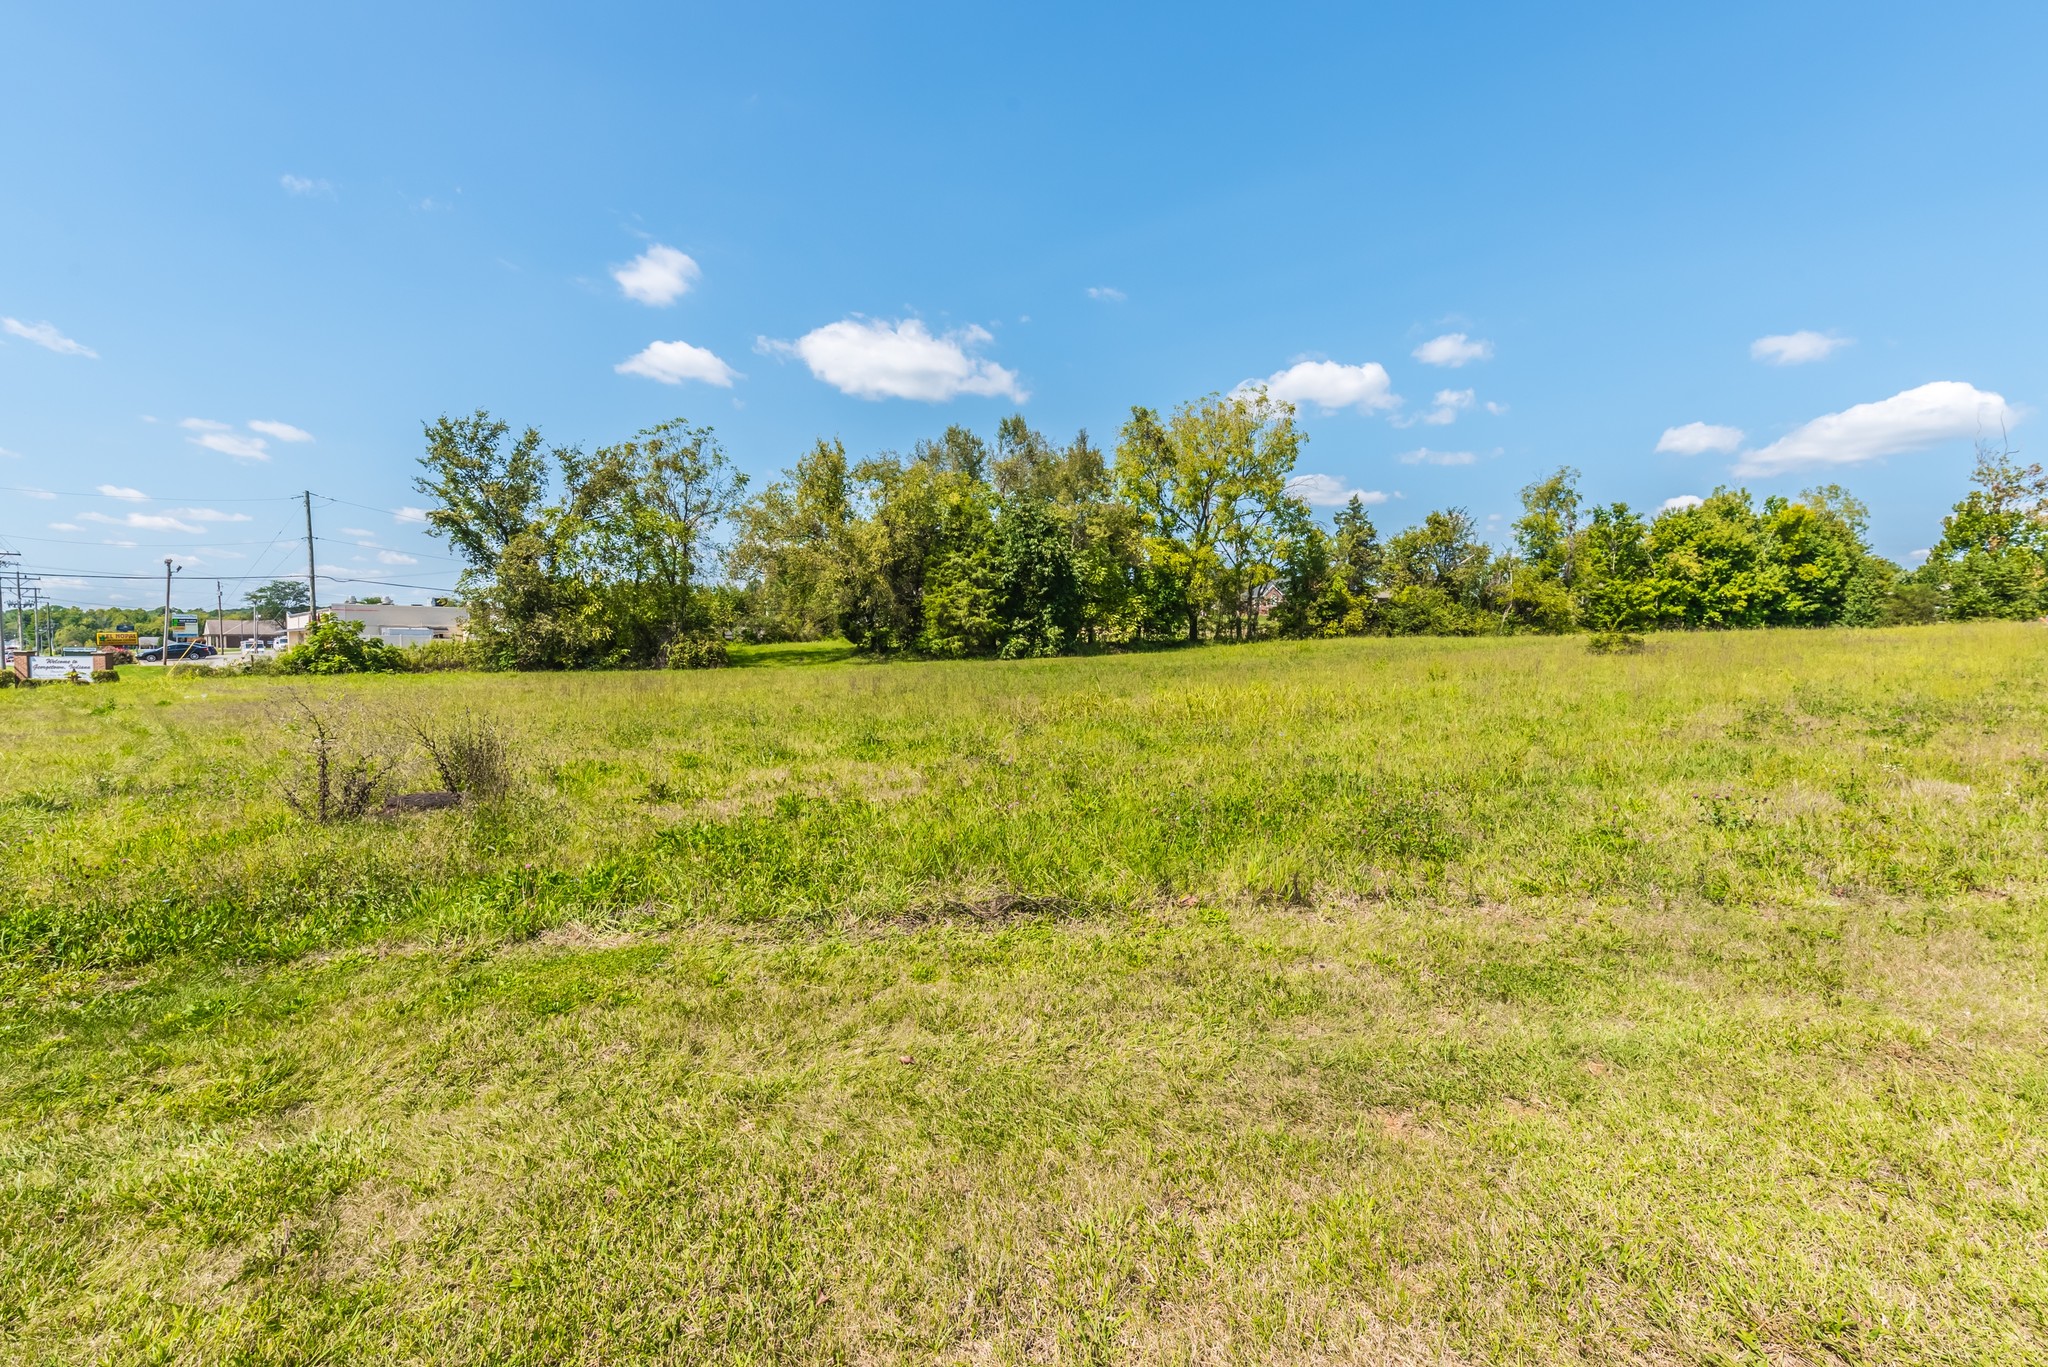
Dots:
pixel 485 491
pixel 1613 590
pixel 1209 484
pixel 1992 558
pixel 1539 581
pixel 1441 578
pixel 634 530
pixel 795 547
pixel 278 599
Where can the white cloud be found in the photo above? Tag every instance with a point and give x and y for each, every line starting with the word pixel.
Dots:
pixel 1113 295
pixel 1682 501
pixel 1697 438
pixel 1327 491
pixel 1447 405
pixel 124 545
pixel 149 522
pixel 35 493
pixel 396 558
pixel 1422 455
pixel 301 185
pixel 878 359
pixel 357 531
pixel 1331 386
pixel 1796 348
pixel 123 493
pixel 207 515
pixel 1919 554
pixel 674 362
pixel 46 336
pixel 65 527
pixel 658 276
pixel 283 431
pixel 1947 410
pixel 1453 349
pixel 59 581
pixel 219 436
pixel 408 513
pixel 6 454
pixel 1497 409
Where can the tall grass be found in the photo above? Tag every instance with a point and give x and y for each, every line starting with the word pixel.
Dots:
pixel 1359 1000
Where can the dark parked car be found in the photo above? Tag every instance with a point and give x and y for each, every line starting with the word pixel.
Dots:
pixel 180 650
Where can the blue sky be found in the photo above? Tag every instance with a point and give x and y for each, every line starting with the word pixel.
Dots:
pixel 246 250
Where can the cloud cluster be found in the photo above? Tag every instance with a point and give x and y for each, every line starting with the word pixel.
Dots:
pixel 1443 410
pixel 305 186
pixel 674 362
pixel 46 336
pixel 1106 292
pixel 1453 349
pixel 1698 438
pixel 1947 410
pixel 658 276
pixel 1331 386
pixel 1422 455
pixel 874 358
pixel 1795 348
pixel 1682 501
pixel 222 437
pixel 1327 491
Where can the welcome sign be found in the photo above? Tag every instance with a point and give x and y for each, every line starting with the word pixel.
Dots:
pixel 55 668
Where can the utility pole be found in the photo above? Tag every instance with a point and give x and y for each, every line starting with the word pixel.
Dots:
pixel 220 616
pixel 5 661
pixel 165 657
pixel 312 573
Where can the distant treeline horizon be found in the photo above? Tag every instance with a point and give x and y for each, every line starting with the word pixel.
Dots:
pixel 1191 530
pixel 1188 531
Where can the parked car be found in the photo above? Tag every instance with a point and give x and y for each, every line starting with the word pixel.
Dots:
pixel 180 650
pixel 281 642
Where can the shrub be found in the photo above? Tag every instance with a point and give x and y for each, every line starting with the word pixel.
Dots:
pixel 701 651
pixel 1614 643
pixel 339 781
pixel 471 756
pixel 336 647
pixel 435 657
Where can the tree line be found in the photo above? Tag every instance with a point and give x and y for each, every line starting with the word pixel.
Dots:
pixel 1188 531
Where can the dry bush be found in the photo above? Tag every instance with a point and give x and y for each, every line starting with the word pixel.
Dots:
pixel 471 755
pixel 339 780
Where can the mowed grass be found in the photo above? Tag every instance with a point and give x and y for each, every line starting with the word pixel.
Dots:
pixel 1357 1001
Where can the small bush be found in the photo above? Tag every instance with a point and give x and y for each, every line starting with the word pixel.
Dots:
pixel 338 780
pixel 336 647
pixel 702 651
pixel 106 676
pixel 471 756
pixel 1614 643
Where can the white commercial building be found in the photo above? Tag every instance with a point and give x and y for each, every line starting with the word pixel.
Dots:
pixel 399 624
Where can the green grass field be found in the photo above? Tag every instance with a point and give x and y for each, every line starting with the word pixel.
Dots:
pixel 1362 1001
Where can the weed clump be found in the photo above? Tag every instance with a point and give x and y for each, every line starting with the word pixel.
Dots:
pixel 338 781
pixel 471 756
pixel 1615 643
